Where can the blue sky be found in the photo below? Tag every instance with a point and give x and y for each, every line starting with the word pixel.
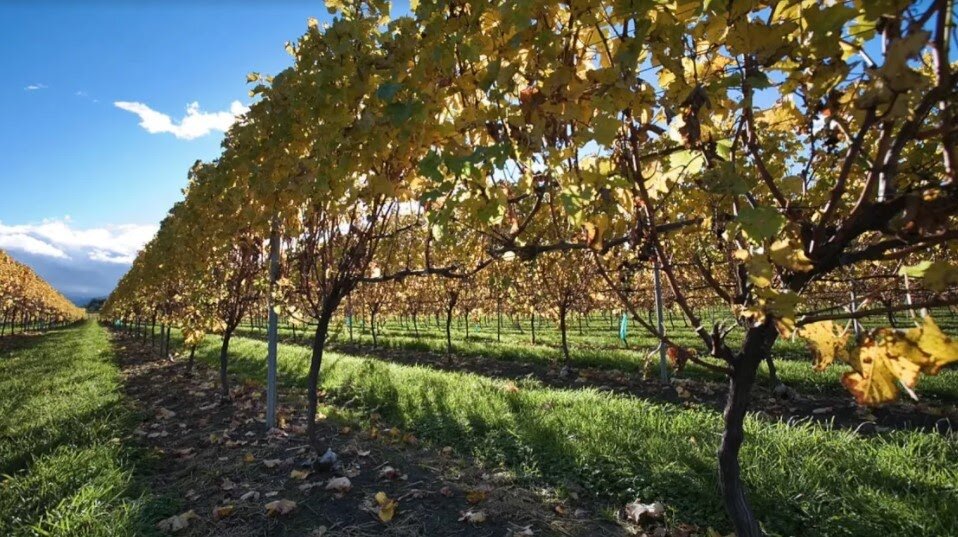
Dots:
pixel 82 183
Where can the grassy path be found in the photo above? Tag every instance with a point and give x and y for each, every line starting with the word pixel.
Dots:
pixel 805 480
pixel 64 463
pixel 597 346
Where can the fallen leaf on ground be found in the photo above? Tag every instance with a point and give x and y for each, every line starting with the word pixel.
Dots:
pixel 251 495
pixel 223 511
pixel 387 506
pixel 280 507
pixel 389 472
pixel 177 522
pixel 299 474
pixel 227 484
pixel 476 496
pixel 272 463
pixel 248 458
pixel 637 511
pixel 340 485
pixel 473 517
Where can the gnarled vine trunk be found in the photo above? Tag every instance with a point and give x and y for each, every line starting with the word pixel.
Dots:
pixel 189 364
pixel 758 344
pixel 224 358
pixel 312 380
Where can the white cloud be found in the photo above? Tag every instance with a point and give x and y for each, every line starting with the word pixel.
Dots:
pixel 194 124
pixel 35 87
pixel 30 245
pixel 58 238
pixel 108 257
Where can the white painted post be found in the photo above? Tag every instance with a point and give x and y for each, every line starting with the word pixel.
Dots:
pixel 663 363
pixel 911 312
pixel 858 327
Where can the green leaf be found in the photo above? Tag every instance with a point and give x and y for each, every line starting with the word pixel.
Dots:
pixel 723 179
pixel 388 90
pixel 399 113
pixel 935 275
pixel 690 162
pixel 429 166
pixel 760 223
pixel 605 128
pixel 724 148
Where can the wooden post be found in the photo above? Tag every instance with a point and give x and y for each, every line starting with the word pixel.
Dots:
pixel 272 326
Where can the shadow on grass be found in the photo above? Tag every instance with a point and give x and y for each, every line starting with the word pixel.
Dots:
pixel 805 480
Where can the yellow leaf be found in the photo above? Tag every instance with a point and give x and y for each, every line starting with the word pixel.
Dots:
pixel 760 272
pixel 888 357
pixel 826 342
pixel 299 474
pixel 939 348
pixel 877 372
pixel 767 43
pixel 781 306
pixel 789 254
pixel 387 507
pixel 595 230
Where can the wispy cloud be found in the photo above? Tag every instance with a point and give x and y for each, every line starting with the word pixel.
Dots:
pixel 58 238
pixel 35 87
pixel 194 124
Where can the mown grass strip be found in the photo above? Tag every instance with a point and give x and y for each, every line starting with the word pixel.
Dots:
pixel 66 470
pixel 805 480
pixel 598 347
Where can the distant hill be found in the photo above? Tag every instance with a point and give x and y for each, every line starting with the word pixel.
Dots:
pixel 94 305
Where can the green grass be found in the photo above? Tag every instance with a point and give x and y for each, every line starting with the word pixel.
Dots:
pixel 598 346
pixel 806 480
pixel 65 466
